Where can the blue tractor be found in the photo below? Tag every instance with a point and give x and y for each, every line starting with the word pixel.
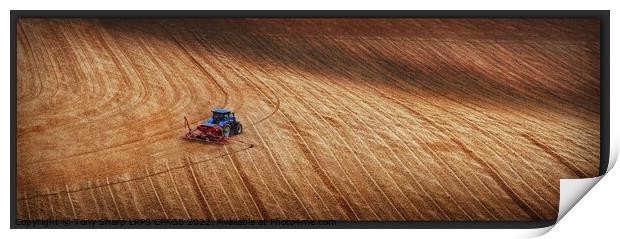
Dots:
pixel 222 125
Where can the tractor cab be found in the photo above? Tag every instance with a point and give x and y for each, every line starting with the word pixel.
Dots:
pixel 221 115
pixel 222 125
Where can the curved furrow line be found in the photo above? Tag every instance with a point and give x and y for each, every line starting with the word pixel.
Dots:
pixel 262 179
pixel 550 151
pixel 430 149
pixel 534 214
pixel 239 75
pixel 409 149
pixel 176 189
pixel 275 163
pixel 86 98
pixel 485 132
pixel 160 66
pixel 27 51
pixel 316 166
pixel 473 125
pixel 118 212
pixel 416 57
pixel 342 139
pixel 540 93
pixel 324 143
pixel 49 62
pixel 491 171
pixel 218 183
pixel 291 157
pixel 249 188
pixel 307 105
pixel 226 94
pixel 579 82
pixel 582 148
pixel 325 176
pixel 92 194
pixel 49 89
pixel 197 187
pixel 49 201
pixel 161 205
pixel 528 69
pixel 177 104
pixel 151 137
pixel 515 197
pixel 233 152
pixel 419 115
pixel 281 155
pixel 320 170
pixel 399 39
pixel 129 104
pixel 125 74
pixel 230 187
pixel 531 168
pixel 235 188
pixel 155 61
pixel 119 147
pixel 119 66
pixel 217 210
pixel 276 105
pixel 99 91
pixel 453 100
pixel 66 127
pixel 116 55
pixel 356 101
pixel 133 201
pixel 53 46
pixel 142 177
pixel 151 60
pixel 385 144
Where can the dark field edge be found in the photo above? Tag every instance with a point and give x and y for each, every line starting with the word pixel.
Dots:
pixel 277 224
pixel 312 13
pixel 601 15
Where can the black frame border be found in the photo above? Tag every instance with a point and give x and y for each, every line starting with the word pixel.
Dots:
pixel 602 15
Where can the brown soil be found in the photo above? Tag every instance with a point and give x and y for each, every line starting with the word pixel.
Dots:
pixel 345 119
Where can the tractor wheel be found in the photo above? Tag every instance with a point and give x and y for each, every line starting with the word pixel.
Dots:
pixel 226 131
pixel 239 129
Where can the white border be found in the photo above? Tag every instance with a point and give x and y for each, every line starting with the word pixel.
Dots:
pixel 591 226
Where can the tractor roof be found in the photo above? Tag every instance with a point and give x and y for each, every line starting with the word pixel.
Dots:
pixel 222 111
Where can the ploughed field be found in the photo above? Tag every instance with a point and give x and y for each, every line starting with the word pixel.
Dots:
pixel 344 119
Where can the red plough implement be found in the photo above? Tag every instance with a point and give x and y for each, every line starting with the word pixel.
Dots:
pixel 218 129
pixel 203 134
